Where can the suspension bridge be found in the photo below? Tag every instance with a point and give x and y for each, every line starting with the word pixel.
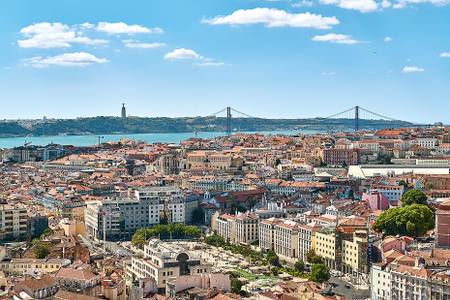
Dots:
pixel 357 114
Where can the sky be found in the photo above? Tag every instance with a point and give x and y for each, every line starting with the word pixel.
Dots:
pixel 274 59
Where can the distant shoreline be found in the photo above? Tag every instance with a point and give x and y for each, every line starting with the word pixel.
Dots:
pixel 91 139
pixel 127 126
pixel 143 133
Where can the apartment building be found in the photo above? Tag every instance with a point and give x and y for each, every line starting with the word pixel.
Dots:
pixel 325 246
pixel 340 156
pixel 380 283
pixel 225 226
pixel 306 238
pixel 13 221
pixel 246 228
pixel 120 217
pixel 442 225
pixel 163 261
pixel 241 228
pixel 112 219
pixel 266 234
pixel 392 192
pixel 24 266
pixel 285 236
pixel 397 282
pixel 212 161
pixel 438 182
pixel 354 254
pixel 409 282
pixel 164 202
pixel 426 142
pixel 371 145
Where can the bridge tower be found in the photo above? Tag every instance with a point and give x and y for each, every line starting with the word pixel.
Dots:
pixel 356 118
pixel 228 124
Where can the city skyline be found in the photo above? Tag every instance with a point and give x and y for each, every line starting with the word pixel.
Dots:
pixel 271 59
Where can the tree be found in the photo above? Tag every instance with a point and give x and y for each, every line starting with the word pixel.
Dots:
pixel 312 257
pixel 299 266
pixel 275 270
pixel 47 232
pixel 319 273
pixel 235 206
pixel 414 197
pixel 192 231
pixel 164 231
pixel 41 250
pixel 403 183
pixel 198 216
pixel 215 240
pixel 413 220
pixel 236 285
pixel 272 258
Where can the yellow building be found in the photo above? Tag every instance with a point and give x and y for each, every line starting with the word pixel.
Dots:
pixel 325 246
pixel 23 266
pixel 354 254
pixel 212 161
pixel 72 227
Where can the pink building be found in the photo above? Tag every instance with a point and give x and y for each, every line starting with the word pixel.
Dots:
pixel 376 200
pixel 443 225
pixel 397 243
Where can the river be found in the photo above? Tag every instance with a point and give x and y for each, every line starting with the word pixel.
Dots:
pixel 88 140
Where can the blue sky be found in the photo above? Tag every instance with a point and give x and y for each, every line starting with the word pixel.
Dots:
pixel 299 58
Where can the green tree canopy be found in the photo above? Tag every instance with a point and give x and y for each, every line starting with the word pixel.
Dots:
pixel 319 273
pixel 165 231
pixel 272 258
pixel 312 257
pixel 41 250
pixel 299 266
pixel 404 183
pixel 198 216
pixel 236 285
pixel 235 206
pixel 413 220
pixel 414 197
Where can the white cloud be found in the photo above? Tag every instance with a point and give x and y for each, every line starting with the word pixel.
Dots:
pixel 75 59
pixel 335 38
pixel 386 4
pixel 210 64
pixel 387 39
pixel 138 44
pixel 87 25
pixel 445 54
pixel 54 35
pixel 405 3
pixel 359 5
pixel 412 69
pixel 123 28
pixel 188 54
pixel 272 17
pixel 331 73
pixel 303 3
pixel 183 53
